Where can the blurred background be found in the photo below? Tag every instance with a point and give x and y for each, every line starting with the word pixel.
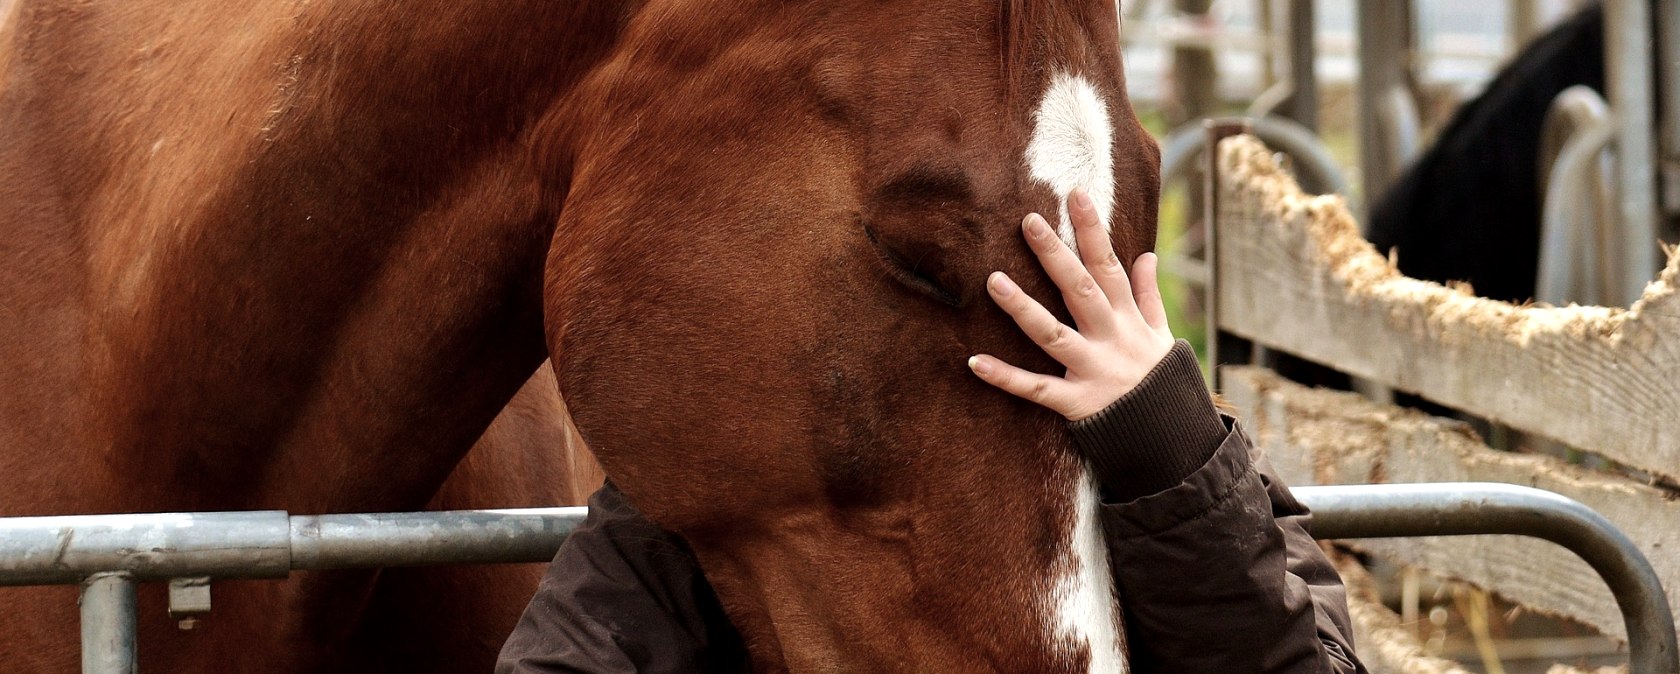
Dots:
pixel 1187 60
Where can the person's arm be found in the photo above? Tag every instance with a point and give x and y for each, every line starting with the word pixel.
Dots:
pixel 622 597
pixel 1210 552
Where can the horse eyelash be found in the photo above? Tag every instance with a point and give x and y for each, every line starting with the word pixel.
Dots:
pixel 908 275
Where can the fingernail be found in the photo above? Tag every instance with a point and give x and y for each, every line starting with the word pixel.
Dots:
pixel 1002 285
pixel 1035 226
pixel 979 366
pixel 1082 198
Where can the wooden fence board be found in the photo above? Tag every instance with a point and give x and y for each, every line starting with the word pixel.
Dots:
pixel 1315 436
pixel 1294 274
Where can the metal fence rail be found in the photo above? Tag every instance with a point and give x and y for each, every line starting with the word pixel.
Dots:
pixel 1470 508
pixel 269 543
pixel 109 554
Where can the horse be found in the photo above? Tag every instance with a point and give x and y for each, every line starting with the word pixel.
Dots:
pixel 301 255
pixel 1468 208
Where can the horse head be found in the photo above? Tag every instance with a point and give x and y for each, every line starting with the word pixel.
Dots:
pixel 767 275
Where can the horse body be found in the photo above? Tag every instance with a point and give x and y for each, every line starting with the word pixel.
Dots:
pixel 299 255
pixel 270 255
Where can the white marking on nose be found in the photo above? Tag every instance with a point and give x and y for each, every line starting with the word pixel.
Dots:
pixel 1073 146
pixel 1084 601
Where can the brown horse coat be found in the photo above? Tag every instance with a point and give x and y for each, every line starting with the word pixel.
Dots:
pixel 300 254
pixel 278 255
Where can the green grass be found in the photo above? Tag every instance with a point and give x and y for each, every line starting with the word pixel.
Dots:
pixel 1184 312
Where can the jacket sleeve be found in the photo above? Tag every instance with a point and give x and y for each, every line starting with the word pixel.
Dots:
pixel 1211 553
pixel 622 597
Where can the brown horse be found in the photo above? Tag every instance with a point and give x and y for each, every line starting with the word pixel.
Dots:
pixel 292 254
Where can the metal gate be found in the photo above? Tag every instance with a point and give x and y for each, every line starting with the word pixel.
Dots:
pixel 109 554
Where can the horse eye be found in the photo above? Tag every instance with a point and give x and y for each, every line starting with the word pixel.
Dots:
pixel 911 274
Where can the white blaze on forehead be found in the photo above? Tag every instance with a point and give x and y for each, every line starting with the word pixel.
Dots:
pixel 1073 146
pixel 1083 602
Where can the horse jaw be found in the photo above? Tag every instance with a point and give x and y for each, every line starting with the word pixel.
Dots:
pixel 1073 146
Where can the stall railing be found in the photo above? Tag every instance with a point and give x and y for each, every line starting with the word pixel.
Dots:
pixel 109 554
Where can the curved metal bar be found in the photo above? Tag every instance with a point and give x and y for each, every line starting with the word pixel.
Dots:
pixel 1269 99
pixel 1469 508
pixel 1319 172
pixel 1569 257
pixel 1574 109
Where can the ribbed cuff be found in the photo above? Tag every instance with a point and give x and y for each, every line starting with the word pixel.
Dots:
pixel 1156 435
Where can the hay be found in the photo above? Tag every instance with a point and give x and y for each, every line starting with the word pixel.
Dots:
pixel 1368 276
pixel 1385 646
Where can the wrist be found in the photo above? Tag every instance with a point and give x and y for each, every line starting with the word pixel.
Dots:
pixel 1106 388
pixel 1156 434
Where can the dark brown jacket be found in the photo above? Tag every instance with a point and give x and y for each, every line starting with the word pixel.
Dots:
pixel 1210 554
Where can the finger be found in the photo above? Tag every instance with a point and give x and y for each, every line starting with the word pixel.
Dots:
pixel 1148 290
pixel 1096 250
pixel 1052 392
pixel 1090 307
pixel 1063 343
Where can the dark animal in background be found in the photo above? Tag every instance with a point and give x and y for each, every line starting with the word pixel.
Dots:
pixel 1468 208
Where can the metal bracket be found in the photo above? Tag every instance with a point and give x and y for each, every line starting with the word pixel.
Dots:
pixel 189 600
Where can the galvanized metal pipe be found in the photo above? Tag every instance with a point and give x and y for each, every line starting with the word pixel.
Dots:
pixel 1385 47
pixel 269 544
pixel 46 550
pixel 1314 166
pixel 1574 230
pixel 1303 64
pixel 1470 508
pixel 1627 75
pixel 1522 22
pixel 413 539
pixel 1668 86
pixel 64 550
pixel 1399 127
pixel 109 624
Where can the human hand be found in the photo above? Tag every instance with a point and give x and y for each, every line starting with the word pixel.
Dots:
pixel 1121 324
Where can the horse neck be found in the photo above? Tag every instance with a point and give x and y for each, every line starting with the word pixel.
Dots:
pixel 320 315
